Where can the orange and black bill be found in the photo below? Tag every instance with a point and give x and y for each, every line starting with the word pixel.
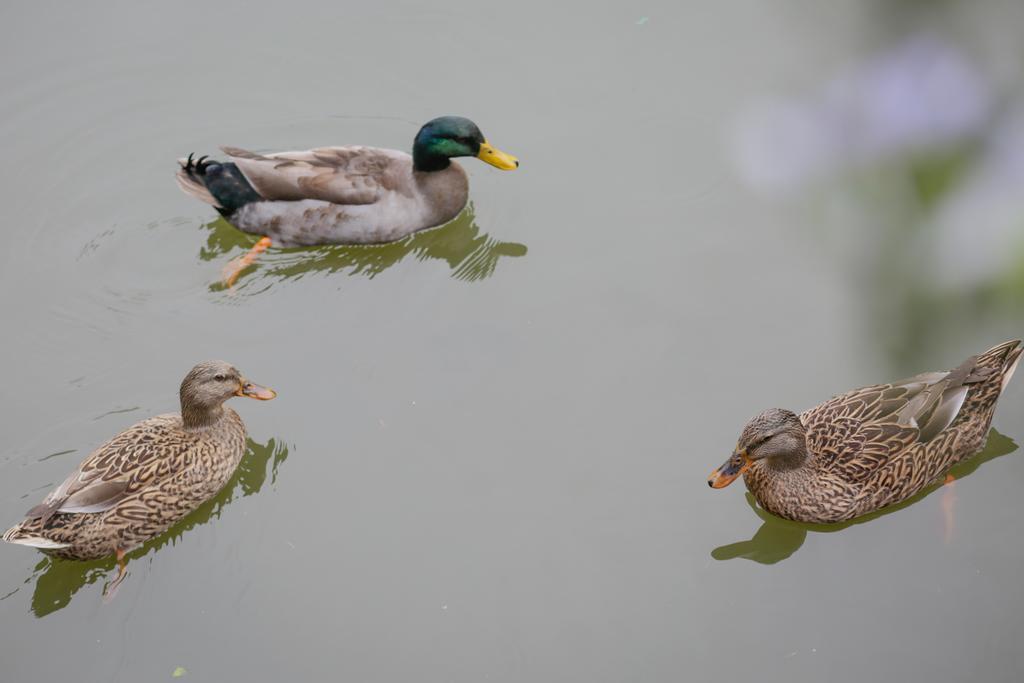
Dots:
pixel 736 465
pixel 250 390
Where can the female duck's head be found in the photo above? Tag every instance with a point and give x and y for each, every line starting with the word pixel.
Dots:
pixel 208 385
pixel 776 434
pixel 446 137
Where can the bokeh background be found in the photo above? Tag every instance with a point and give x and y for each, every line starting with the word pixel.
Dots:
pixel 487 460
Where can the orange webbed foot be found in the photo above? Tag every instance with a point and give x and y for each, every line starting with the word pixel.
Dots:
pixel 122 571
pixel 235 267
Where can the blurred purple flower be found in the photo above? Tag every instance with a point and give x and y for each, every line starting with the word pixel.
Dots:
pixel 978 230
pixel 922 94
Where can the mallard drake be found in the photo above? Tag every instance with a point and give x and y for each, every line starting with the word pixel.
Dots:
pixel 872 447
pixel 142 481
pixel 343 195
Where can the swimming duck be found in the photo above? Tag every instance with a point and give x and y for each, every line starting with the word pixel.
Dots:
pixel 871 447
pixel 139 483
pixel 342 195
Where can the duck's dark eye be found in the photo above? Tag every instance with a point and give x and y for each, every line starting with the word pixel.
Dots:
pixel 220 378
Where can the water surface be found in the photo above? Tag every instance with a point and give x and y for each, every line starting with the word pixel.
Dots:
pixel 488 455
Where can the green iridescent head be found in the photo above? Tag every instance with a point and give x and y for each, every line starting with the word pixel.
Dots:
pixel 447 137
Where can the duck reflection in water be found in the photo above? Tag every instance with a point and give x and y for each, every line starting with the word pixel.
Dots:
pixel 470 254
pixel 56 581
pixel 777 538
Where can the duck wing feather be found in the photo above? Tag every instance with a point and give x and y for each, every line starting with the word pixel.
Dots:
pixel 139 456
pixel 857 433
pixel 340 175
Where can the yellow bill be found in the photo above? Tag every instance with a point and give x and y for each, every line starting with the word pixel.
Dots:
pixel 495 157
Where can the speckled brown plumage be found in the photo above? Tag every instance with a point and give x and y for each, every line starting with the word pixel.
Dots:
pixel 871 447
pixel 141 482
pixel 166 472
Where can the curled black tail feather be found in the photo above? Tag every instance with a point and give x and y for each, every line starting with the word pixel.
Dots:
pixel 224 181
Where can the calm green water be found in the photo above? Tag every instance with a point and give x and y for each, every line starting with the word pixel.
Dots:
pixel 488 455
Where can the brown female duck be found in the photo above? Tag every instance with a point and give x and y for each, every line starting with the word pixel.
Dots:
pixel 871 447
pixel 142 481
